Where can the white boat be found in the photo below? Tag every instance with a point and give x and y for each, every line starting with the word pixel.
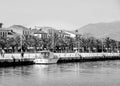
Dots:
pixel 46 57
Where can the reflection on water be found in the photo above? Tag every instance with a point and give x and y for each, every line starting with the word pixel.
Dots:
pixel 106 73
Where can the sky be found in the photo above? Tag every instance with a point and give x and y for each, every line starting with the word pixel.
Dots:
pixel 59 14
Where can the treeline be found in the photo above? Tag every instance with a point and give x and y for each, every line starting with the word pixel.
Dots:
pixel 59 44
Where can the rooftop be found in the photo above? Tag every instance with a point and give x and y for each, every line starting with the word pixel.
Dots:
pixel 18 27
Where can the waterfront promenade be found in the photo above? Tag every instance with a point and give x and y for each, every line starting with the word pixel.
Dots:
pixel 15 58
pixel 66 57
pixel 86 55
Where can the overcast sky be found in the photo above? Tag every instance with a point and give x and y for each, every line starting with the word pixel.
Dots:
pixel 60 14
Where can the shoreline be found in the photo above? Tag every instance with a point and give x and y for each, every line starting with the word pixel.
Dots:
pixel 28 58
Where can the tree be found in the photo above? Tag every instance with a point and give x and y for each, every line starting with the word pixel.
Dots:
pixel 14 43
pixel 3 42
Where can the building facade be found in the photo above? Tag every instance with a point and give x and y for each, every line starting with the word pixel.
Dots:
pixel 21 30
pixel 39 33
pixel 5 32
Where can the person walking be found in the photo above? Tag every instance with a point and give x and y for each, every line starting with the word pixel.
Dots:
pixel 22 53
pixel 2 53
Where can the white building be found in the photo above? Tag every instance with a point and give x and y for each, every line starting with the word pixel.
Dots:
pixel 39 33
pixel 70 34
pixel 5 32
pixel 21 30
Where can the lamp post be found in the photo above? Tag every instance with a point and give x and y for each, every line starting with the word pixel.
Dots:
pixel 102 45
pixel 77 39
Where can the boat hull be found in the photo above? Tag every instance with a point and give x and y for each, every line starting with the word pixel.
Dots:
pixel 46 61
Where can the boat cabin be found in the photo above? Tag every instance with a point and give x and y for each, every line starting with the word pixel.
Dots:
pixel 46 54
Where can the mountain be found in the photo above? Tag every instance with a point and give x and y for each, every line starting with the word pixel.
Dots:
pixel 102 30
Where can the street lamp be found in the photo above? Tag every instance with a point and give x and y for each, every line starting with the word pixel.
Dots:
pixel 77 39
pixel 102 44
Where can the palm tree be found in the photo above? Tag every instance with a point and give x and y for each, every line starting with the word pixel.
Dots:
pixel 108 44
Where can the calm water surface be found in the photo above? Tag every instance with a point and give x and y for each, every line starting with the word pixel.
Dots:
pixel 106 73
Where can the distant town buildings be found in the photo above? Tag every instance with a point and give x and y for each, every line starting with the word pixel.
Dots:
pixel 40 32
pixel 88 43
pixel 49 31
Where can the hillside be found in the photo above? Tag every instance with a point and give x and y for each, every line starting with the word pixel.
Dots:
pixel 101 30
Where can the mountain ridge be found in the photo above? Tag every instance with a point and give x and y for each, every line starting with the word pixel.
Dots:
pixel 102 30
